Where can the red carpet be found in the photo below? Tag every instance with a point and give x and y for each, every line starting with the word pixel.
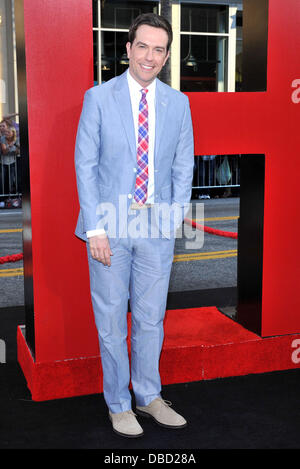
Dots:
pixel 200 343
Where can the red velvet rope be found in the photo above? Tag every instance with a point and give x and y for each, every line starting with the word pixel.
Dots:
pixel 12 258
pixel 207 229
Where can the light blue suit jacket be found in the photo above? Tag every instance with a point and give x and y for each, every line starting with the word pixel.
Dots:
pixel 105 154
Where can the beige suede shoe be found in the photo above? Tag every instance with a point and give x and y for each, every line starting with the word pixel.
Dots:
pixel 125 424
pixel 160 411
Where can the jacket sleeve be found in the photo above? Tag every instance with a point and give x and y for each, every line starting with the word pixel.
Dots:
pixel 183 164
pixel 87 153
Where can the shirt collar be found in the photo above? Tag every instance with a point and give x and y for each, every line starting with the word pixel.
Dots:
pixel 136 87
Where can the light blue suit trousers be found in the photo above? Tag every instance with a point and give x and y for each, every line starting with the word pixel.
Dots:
pixel 140 266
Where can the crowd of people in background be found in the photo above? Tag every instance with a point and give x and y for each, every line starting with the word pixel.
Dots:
pixel 10 163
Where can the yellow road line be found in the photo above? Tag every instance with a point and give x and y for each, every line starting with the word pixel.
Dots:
pixel 207 253
pixel 215 218
pixel 190 259
pixel 14 230
pixel 196 256
pixel 11 272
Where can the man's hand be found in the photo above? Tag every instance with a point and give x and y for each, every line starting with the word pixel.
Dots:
pixel 100 249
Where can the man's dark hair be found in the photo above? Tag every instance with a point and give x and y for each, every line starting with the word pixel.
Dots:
pixel 151 19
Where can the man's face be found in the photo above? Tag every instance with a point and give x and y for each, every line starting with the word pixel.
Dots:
pixel 147 54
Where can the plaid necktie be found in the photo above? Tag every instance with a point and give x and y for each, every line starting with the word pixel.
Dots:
pixel 141 184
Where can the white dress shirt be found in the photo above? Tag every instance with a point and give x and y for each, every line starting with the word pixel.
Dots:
pixel 135 97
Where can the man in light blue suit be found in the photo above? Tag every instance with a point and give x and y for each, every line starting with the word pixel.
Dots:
pixel 134 157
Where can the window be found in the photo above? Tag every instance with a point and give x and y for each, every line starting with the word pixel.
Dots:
pixel 206 53
pixel 204 48
pixel 120 14
pixel 239 50
pixel 111 21
pixel 204 19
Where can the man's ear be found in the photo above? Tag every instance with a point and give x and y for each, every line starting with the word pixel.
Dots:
pixel 167 56
pixel 128 48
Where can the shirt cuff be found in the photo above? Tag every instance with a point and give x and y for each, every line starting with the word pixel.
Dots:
pixel 91 233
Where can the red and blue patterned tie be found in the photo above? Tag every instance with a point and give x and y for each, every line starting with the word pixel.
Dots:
pixel 141 185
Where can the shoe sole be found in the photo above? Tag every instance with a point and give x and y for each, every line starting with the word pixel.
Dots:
pixel 128 436
pixel 145 414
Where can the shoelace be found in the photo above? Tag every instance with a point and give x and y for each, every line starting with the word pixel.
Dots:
pixel 167 403
pixel 120 414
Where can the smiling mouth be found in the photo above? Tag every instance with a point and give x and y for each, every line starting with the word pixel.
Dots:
pixel 146 67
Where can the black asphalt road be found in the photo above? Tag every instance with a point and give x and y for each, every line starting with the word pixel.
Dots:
pixel 212 268
pixel 11 274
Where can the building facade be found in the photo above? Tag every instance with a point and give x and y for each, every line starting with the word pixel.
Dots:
pixel 206 55
pixel 207 45
pixel 8 70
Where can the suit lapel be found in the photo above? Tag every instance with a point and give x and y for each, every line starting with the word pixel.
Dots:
pixel 122 97
pixel 161 106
